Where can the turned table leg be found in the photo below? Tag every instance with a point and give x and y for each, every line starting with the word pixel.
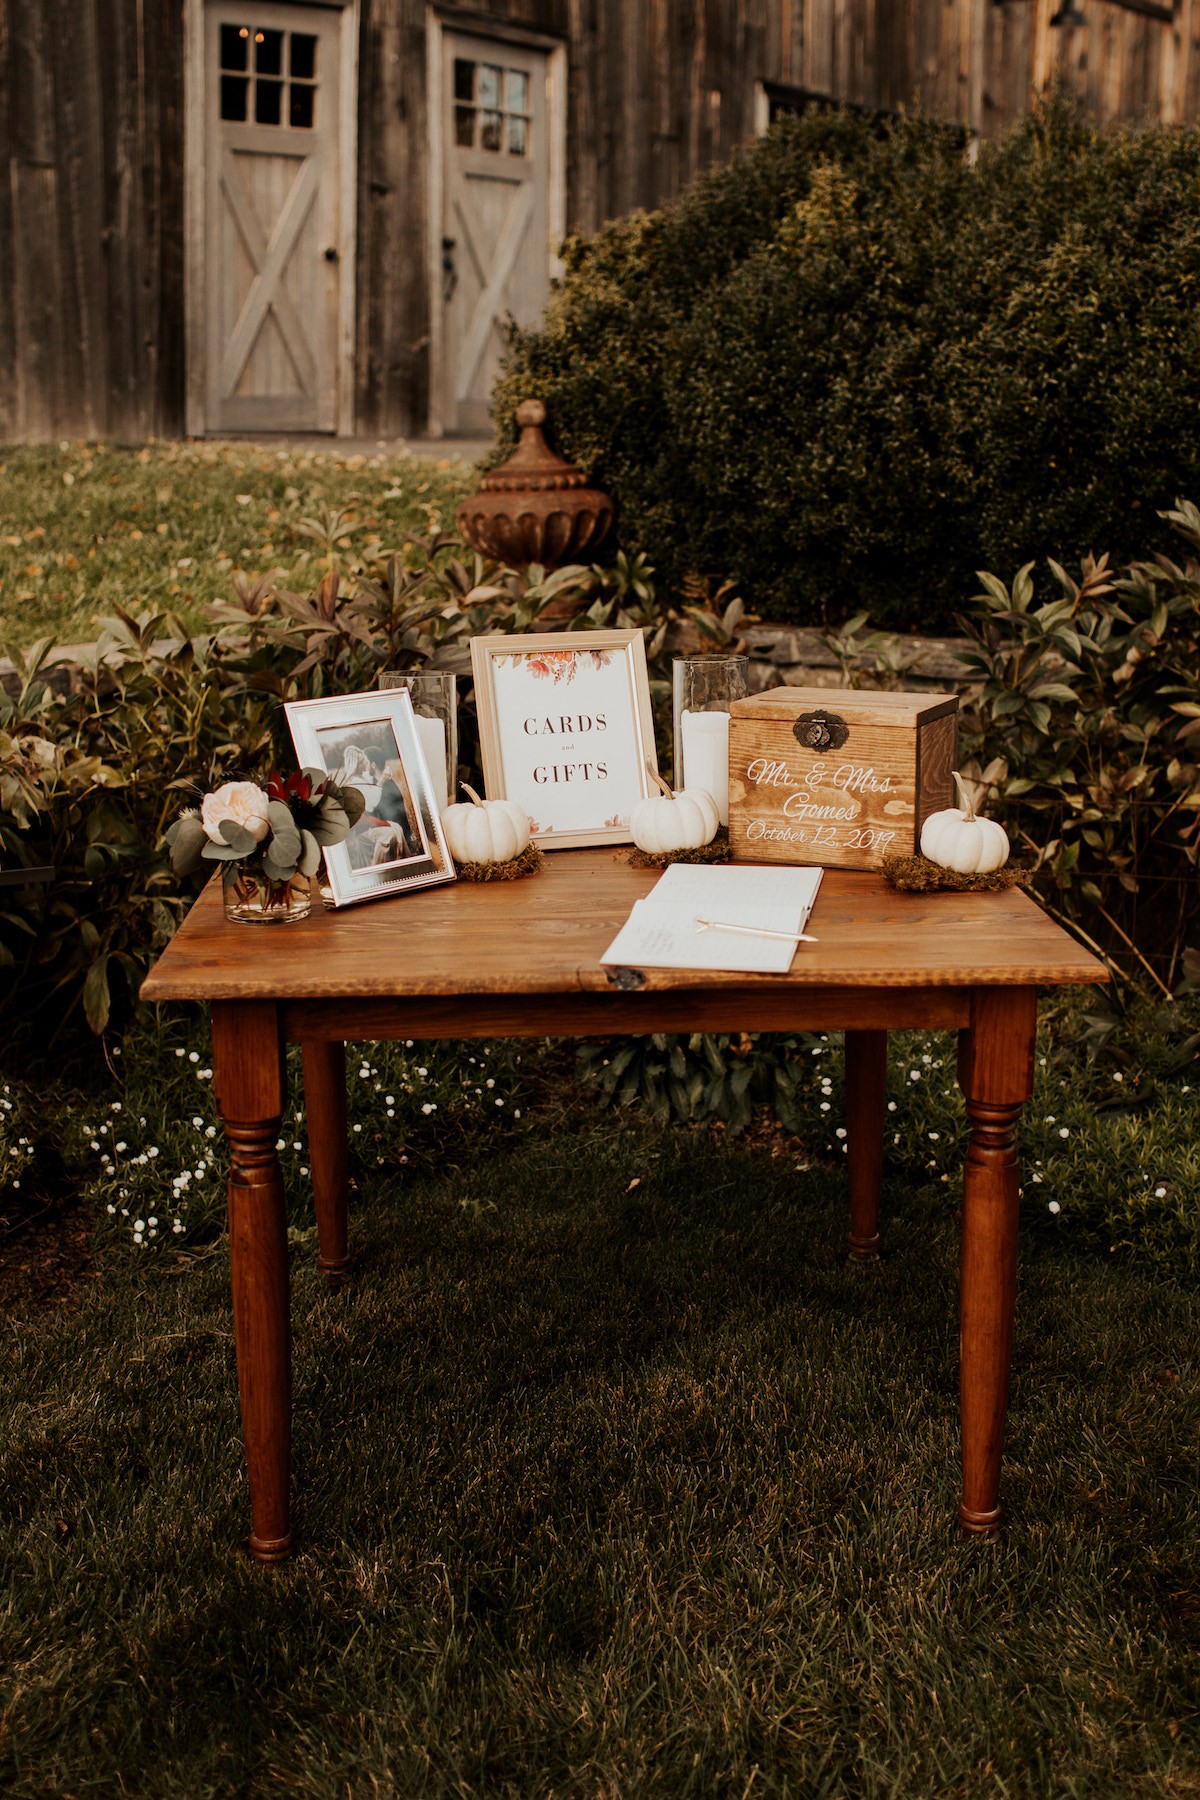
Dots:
pixel 325 1104
pixel 995 1072
pixel 248 1077
pixel 866 1095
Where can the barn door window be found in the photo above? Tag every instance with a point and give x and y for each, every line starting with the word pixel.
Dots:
pixel 491 107
pixel 282 73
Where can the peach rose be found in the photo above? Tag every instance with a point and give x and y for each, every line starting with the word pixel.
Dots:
pixel 242 801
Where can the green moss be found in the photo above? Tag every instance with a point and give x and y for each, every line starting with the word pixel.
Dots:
pixel 718 851
pixel 917 875
pixel 528 863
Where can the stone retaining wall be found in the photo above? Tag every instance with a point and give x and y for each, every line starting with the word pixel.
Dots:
pixel 780 656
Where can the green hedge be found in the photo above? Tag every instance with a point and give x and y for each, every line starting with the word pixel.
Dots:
pixel 848 370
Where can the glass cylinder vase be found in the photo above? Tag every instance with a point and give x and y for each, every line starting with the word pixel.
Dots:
pixel 702 691
pixel 434 695
pixel 250 899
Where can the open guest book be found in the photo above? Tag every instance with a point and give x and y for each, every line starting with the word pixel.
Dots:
pixel 750 920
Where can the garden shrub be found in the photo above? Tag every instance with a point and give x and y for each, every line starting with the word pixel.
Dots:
pixel 847 369
pixel 91 777
pixel 1086 733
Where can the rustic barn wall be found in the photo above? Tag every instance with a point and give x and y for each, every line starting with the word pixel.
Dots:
pixel 1134 60
pixel 661 89
pixel 91 293
pixel 91 154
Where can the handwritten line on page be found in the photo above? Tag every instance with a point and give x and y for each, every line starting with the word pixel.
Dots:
pixel 660 932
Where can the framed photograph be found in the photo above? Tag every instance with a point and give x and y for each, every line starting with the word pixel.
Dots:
pixel 565 730
pixel 370 742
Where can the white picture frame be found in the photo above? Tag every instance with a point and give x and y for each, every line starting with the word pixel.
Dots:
pixel 566 730
pixel 370 741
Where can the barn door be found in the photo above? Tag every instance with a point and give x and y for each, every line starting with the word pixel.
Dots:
pixel 495 213
pixel 274 237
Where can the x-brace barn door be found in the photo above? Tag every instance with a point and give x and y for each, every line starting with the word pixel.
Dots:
pixel 495 217
pixel 274 237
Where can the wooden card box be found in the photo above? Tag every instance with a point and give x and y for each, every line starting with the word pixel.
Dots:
pixel 836 777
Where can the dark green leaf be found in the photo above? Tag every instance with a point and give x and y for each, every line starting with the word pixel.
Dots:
pixel 96 998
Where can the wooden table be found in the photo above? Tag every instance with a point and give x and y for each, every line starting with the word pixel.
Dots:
pixel 519 959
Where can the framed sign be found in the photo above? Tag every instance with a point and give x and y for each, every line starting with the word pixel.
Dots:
pixel 370 742
pixel 565 730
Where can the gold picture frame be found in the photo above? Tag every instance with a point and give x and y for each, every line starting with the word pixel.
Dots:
pixel 566 730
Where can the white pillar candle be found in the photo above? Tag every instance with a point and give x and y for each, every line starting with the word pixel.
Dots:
pixel 432 735
pixel 706 755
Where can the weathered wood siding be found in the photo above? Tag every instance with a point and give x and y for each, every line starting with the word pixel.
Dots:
pixel 91 275
pixel 91 154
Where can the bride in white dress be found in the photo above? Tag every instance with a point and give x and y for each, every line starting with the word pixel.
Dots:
pixel 358 771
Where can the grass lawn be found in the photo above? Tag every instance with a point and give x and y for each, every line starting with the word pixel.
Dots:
pixel 164 525
pixel 611 1479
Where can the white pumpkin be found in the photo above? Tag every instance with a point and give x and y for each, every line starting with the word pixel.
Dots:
pixel 667 822
pixel 958 839
pixel 485 831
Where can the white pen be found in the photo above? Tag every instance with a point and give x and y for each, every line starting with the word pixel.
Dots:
pixel 788 937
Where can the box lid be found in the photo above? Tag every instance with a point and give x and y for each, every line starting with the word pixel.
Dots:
pixel 862 706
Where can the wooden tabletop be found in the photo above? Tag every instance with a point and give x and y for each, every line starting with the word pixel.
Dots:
pixel 546 933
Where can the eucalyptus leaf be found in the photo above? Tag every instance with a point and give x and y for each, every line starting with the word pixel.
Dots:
pixel 331 824
pixel 222 853
pixel 310 858
pixel 281 870
pixel 185 841
pixel 351 800
pixel 284 846
pixel 240 841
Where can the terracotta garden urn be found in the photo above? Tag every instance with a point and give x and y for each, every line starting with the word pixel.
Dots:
pixel 535 508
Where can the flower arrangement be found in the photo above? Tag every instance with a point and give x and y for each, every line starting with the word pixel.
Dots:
pixel 267 840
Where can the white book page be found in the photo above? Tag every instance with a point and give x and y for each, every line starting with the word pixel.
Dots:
pixel 661 931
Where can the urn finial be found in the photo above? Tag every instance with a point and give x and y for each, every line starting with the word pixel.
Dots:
pixel 536 507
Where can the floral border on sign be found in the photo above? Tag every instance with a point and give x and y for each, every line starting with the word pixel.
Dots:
pixel 561 666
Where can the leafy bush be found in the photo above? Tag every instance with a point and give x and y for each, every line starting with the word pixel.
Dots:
pixel 90 779
pixel 124 742
pixel 846 369
pixel 1087 719
pixel 702 1076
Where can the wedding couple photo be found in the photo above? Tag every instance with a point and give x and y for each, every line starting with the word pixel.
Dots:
pixel 368 758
